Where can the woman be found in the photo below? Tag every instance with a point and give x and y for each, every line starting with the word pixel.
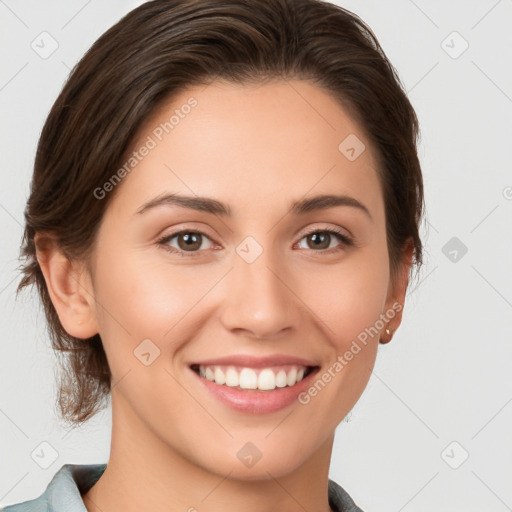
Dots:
pixel 222 225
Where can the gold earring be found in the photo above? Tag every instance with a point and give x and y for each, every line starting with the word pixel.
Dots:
pixel 388 332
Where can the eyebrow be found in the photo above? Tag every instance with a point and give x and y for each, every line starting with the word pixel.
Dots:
pixel 205 204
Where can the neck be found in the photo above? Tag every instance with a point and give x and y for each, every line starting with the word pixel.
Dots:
pixel 145 473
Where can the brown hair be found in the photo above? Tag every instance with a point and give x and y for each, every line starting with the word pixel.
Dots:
pixel 150 55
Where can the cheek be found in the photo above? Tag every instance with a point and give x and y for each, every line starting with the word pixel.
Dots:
pixel 145 307
pixel 348 298
pixel 140 297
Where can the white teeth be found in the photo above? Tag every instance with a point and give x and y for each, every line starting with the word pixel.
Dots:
pixel 281 379
pixel 266 379
pixel 209 374
pixel 232 378
pixel 292 377
pixel 248 378
pixel 219 376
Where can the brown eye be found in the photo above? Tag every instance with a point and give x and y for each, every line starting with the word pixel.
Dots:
pixel 187 241
pixel 321 240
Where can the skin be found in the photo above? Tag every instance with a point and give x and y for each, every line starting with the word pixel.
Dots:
pixel 256 148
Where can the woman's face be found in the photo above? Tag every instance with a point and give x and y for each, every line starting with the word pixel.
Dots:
pixel 251 275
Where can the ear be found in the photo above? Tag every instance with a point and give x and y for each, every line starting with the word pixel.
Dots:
pixel 70 288
pixel 397 289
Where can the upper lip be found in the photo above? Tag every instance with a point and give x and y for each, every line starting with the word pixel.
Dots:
pixel 248 361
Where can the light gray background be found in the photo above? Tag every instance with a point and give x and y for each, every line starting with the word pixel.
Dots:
pixel 442 389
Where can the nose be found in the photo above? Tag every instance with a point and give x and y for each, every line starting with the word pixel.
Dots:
pixel 259 300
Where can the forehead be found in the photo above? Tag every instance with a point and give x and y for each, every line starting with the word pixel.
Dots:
pixel 244 144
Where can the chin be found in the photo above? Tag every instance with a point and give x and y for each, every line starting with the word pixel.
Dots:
pixel 263 471
pixel 274 463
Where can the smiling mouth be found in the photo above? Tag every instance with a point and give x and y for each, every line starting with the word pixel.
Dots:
pixel 254 379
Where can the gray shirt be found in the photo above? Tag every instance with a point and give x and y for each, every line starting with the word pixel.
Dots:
pixel 63 493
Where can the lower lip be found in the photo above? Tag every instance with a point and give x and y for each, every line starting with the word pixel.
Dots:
pixel 256 401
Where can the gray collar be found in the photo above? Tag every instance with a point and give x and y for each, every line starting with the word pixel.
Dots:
pixel 63 493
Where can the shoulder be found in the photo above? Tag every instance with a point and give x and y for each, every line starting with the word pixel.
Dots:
pixel 340 500
pixel 35 505
pixel 63 493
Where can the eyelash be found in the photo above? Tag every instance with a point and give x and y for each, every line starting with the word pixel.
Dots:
pixel 346 241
